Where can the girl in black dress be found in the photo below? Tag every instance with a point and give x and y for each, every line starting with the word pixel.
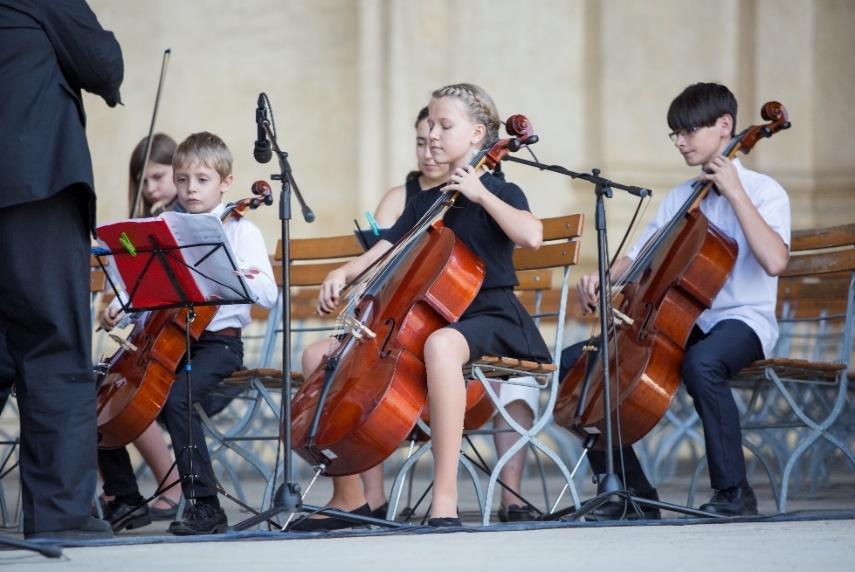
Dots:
pixel 491 217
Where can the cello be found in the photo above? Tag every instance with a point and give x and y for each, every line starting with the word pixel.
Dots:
pixel 673 280
pixel 367 394
pixel 134 383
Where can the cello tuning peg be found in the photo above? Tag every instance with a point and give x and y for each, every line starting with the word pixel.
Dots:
pixel 531 140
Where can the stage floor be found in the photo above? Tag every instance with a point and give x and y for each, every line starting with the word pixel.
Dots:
pixel 818 533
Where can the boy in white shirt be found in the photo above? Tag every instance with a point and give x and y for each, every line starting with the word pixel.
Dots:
pixel 740 326
pixel 203 172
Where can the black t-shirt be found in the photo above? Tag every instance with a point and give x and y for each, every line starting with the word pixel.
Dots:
pixel 474 226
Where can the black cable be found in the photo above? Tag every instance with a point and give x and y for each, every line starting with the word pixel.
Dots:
pixel 628 230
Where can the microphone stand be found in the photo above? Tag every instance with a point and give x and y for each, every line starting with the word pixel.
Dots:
pixel 610 487
pixel 287 496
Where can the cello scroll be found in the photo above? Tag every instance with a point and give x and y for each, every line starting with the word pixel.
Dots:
pixel 773 112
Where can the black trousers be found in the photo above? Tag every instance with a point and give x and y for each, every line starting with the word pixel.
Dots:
pixel 44 315
pixel 213 359
pixel 7 370
pixel 711 359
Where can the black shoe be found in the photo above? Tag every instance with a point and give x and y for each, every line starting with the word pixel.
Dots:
pixel 444 522
pixel 91 529
pixel 621 509
pixel 380 511
pixel 306 524
pixel 517 513
pixel 125 513
pixel 734 501
pixel 200 518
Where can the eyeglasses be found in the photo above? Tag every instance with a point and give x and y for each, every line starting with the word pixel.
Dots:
pixel 684 132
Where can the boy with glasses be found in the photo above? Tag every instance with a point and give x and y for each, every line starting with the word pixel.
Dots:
pixel 740 326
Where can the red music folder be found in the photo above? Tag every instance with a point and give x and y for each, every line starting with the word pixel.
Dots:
pixel 171 260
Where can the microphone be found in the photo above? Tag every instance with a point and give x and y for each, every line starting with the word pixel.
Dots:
pixel 262 151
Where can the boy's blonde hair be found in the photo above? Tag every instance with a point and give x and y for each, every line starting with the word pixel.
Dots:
pixel 479 107
pixel 207 149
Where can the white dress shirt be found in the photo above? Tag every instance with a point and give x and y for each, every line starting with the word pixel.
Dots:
pixel 749 294
pixel 251 254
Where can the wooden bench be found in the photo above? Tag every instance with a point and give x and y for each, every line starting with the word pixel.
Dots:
pixel 796 396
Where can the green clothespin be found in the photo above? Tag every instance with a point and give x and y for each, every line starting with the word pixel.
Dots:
pixel 125 241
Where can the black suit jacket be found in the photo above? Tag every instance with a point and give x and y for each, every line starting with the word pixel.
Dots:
pixel 49 52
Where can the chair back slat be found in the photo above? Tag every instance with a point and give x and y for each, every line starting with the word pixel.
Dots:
pixel 547 256
pixel 534 279
pixel 326 247
pixel 311 274
pixel 820 263
pixel 568 227
pixel 817 238
pixel 810 296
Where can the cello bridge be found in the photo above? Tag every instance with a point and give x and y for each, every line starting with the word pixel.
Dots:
pixel 125 344
pixel 357 329
pixel 621 318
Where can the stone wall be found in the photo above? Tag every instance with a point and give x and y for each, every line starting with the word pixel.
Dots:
pixel 346 78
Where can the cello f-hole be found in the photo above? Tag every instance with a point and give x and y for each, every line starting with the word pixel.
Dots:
pixel 390 328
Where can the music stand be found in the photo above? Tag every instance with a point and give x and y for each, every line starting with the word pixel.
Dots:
pixel 177 260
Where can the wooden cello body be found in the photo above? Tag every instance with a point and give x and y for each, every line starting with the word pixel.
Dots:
pixel 674 279
pixel 664 305
pixel 365 398
pixel 137 383
pixel 430 288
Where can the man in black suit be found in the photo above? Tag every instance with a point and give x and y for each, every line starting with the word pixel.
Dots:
pixel 49 52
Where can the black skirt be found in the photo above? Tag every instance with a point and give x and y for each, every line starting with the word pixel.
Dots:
pixel 497 324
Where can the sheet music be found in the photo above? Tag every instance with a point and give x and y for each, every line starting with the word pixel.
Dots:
pixel 207 228
pixel 206 269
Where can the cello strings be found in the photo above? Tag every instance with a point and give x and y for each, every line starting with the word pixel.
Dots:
pixel 365 282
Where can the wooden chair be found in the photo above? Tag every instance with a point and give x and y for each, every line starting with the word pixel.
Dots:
pixel 798 395
pixel 535 271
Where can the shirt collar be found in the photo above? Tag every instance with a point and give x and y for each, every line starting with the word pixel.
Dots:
pixel 218 210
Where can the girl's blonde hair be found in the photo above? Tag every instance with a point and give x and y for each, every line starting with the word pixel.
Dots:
pixel 479 106
pixel 207 149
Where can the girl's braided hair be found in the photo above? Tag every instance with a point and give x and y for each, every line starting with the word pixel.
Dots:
pixel 479 106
